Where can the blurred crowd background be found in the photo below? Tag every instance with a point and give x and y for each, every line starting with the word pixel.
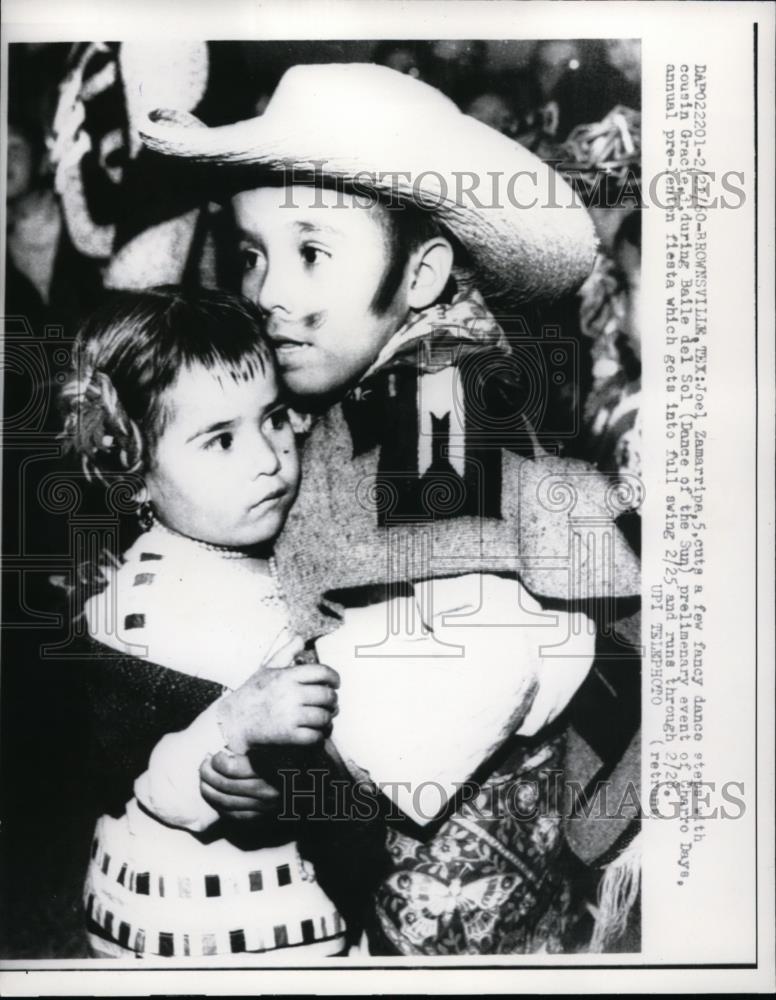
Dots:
pixel 89 208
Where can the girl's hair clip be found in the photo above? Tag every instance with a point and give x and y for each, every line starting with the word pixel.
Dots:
pixel 96 425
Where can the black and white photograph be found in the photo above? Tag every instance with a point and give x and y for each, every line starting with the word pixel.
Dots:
pixel 327 481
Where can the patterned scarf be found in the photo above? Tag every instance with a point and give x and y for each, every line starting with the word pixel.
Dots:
pixel 428 338
pixel 419 409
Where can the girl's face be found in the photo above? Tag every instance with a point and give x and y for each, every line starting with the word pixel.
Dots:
pixel 225 469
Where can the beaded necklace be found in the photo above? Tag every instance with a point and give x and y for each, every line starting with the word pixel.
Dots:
pixel 224 551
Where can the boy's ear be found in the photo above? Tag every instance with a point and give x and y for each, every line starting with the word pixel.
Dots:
pixel 430 268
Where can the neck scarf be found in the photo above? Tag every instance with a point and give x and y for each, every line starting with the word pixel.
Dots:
pixel 428 337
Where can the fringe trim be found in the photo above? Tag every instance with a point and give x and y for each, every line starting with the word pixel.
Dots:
pixel 617 892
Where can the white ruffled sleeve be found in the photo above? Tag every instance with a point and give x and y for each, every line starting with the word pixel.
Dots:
pixel 169 787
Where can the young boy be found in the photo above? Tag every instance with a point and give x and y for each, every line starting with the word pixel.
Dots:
pixel 367 240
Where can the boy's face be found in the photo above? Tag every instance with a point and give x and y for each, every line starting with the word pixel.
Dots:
pixel 314 259
pixel 225 468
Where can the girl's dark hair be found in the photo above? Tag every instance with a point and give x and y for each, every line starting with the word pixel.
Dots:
pixel 130 351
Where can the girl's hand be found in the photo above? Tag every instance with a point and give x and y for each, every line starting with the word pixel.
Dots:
pixel 292 705
pixel 229 785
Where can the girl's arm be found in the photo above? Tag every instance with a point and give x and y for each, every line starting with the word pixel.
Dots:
pixel 169 787
pixel 135 704
pixel 289 706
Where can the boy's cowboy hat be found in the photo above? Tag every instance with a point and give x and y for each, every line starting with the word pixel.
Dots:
pixel 526 234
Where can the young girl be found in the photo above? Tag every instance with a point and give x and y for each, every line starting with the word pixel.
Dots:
pixel 174 396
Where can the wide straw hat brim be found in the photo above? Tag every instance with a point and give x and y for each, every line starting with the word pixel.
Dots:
pixel 527 235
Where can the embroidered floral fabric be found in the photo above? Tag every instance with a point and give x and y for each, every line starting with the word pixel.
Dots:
pixel 489 881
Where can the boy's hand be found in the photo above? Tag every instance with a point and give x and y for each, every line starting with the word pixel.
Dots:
pixel 229 785
pixel 291 705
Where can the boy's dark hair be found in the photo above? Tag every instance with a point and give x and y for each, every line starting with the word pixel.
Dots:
pixel 130 351
pixel 406 227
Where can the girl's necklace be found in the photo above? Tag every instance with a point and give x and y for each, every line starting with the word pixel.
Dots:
pixel 225 551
